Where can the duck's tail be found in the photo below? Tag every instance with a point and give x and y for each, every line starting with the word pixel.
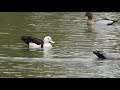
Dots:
pixel 26 39
pixel 112 22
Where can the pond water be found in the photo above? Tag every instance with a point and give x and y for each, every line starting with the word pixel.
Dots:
pixel 71 55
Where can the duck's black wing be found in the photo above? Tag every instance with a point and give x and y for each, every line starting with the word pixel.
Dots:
pixel 112 22
pixel 99 54
pixel 28 39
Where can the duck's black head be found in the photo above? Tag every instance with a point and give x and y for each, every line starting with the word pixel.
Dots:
pixel 99 54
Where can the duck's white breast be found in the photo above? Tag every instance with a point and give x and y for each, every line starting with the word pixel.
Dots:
pixel 47 45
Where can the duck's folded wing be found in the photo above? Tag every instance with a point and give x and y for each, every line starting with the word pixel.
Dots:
pixel 37 41
pixel 28 39
pixel 99 54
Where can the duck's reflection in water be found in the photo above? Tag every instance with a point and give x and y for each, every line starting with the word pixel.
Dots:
pixel 48 53
pixel 90 28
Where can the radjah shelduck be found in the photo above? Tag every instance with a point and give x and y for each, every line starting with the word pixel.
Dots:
pixel 35 43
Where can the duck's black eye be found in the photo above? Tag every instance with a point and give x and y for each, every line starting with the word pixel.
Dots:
pixel 48 38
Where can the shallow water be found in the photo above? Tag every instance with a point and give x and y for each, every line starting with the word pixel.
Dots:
pixel 71 55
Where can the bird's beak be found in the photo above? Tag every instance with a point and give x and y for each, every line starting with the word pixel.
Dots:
pixel 52 41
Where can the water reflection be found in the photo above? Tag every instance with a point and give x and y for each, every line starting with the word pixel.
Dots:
pixel 48 53
pixel 90 28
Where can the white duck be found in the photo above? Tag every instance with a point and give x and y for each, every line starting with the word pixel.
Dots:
pixel 103 21
pixel 35 43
